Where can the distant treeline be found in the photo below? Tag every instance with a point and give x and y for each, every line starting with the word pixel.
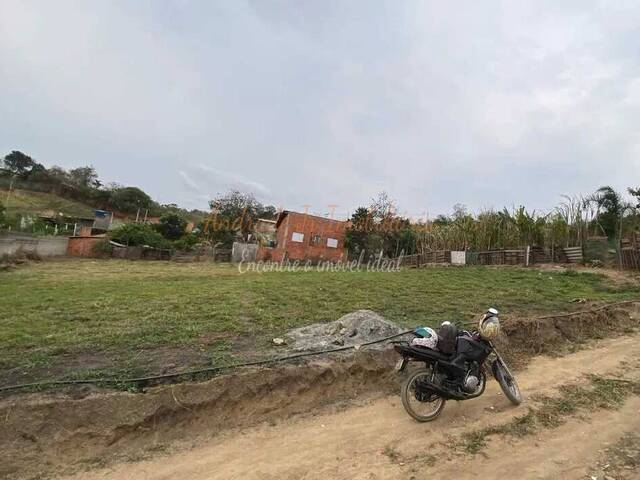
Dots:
pixel 372 229
pixel 378 227
pixel 82 184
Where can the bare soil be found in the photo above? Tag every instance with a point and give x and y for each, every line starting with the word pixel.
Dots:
pixel 333 417
pixel 378 440
pixel 616 276
pixel 44 433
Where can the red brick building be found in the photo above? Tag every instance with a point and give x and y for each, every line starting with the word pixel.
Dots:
pixel 82 245
pixel 301 236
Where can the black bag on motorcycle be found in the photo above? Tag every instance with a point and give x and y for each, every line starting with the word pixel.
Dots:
pixel 447 336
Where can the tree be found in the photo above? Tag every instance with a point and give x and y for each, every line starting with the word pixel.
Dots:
pixel 84 177
pixel 405 240
pixel 129 199
pixel 358 232
pixel 383 207
pixel 234 213
pixel 17 163
pixel 379 228
pixel 611 208
pixel 392 233
pixel 172 226
pixel 460 211
pixel 268 212
pixel 58 175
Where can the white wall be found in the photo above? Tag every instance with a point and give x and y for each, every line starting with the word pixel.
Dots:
pixel 245 252
pixel 458 257
pixel 10 243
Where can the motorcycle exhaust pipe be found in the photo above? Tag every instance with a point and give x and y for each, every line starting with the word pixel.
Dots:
pixel 443 392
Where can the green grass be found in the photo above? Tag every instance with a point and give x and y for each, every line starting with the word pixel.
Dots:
pixel 52 311
pixel 26 202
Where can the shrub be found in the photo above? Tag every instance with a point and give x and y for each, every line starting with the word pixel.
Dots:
pixel 186 243
pixel 136 234
pixel 103 248
pixel 172 226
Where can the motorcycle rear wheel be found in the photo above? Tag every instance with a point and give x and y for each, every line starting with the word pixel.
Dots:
pixel 422 411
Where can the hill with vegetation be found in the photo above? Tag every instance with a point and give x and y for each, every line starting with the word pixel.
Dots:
pixel 50 187
pixel 26 202
pixel 28 189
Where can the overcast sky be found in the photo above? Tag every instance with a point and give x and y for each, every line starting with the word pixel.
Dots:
pixel 319 103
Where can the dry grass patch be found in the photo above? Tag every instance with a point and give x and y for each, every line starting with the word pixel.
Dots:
pixel 551 412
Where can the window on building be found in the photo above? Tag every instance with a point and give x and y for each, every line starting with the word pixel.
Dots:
pixel 316 239
pixel 297 237
pixel 332 243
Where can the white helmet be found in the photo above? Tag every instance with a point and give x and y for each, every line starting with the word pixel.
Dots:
pixel 428 338
pixel 489 326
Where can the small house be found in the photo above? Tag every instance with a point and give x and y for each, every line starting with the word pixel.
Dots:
pixel 301 236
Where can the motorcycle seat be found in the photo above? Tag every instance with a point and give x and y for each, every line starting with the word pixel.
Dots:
pixel 419 352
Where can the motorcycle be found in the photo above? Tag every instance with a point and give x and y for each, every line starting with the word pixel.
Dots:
pixel 458 372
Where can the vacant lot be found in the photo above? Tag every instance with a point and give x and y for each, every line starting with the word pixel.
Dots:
pixel 87 318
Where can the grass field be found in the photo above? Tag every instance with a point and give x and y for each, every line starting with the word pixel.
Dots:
pixel 27 202
pixel 86 317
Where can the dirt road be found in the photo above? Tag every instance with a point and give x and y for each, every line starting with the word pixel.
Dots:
pixel 379 440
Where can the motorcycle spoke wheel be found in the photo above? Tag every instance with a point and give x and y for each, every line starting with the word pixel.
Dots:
pixel 422 406
pixel 508 383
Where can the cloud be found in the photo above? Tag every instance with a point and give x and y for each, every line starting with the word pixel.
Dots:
pixel 487 104
pixel 233 180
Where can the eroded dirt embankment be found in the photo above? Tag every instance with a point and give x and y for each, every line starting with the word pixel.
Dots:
pixel 50 433
pixel 47 431
pixel 378 440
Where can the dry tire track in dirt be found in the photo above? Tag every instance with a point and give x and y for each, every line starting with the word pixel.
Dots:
pixel 378 440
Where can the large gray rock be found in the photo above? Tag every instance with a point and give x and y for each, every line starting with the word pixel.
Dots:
pixel 352 329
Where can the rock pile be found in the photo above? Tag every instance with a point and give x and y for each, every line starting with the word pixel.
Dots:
pixel 354 328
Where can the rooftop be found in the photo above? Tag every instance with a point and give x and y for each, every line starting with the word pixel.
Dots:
pixel 284 213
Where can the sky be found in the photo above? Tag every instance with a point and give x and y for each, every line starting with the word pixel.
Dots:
pixel 321 105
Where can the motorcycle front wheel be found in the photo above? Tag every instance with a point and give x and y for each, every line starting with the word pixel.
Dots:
pixel 507 382
pixel 422 406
